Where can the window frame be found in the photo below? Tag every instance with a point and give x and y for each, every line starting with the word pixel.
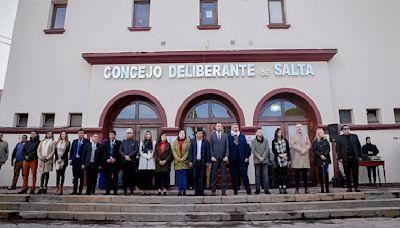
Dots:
pixel 394 113
pixel 209 118
pixel 136 120
pixel 282 25
pixel 376 110
pixel 134 27
pixel 216 26
pixel 44 115
pixel 18 119
pixel 351 116
pixel 53 30
pixel 70 119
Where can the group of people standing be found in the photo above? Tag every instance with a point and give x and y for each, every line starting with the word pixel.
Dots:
pixel 150 158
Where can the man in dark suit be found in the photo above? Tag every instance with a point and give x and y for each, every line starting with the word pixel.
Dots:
pixel 112 161
pixel 348 149
pixel 128 151
pixel 75 159
pixel 219 151
pixel 199 159
pixel 92 161
pixel 239 154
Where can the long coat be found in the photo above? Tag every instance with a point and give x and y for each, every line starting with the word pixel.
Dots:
pixel 147 161
pixel 298 142
pixel 45 163
pixel 321 147
pixel 185 155
pixel 159 156
pixel 260 150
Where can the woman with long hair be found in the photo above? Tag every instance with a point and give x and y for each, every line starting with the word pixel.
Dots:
pixel 61 161
pixel 281 150
pixel 322 158
pixel 163 155
pixel 146 162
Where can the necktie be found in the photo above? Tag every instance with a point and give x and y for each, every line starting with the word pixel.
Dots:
pixel 79 147
pixel 219 137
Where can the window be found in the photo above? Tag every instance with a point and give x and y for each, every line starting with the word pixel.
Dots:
pixel 141 15
pixel 57 19
pixel 277 18
pixel 48 120
pixel 21 120
pixel 283 109
pixel 208 14
pixel 397 115
pixel 372 115
pixel 345 116
pixel 75 120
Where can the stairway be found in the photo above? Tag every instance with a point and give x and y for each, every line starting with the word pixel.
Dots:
pixel 194 209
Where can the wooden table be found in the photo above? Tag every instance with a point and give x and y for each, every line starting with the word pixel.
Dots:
pixel 375 163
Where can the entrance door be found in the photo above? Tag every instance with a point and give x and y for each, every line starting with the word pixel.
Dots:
pixel 205 115
pixel 285 114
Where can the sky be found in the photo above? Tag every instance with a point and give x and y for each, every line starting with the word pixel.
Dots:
pixel 8 10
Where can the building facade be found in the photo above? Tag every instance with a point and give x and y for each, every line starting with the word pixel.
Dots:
pixel 162 65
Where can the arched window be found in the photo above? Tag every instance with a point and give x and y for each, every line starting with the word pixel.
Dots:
pixel 141 116
pixel 205 114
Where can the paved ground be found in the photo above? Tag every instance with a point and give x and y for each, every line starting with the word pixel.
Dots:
pixel 333 223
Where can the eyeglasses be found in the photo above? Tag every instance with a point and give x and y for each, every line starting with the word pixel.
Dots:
pixel 346 128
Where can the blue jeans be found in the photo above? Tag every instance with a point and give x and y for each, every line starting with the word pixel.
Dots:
pixel 182 179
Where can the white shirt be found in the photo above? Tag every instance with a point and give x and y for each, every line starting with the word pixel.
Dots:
pixel 199 149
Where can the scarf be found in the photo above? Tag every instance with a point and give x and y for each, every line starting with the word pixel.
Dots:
pixel 262 139
pixel 235 137
pixel 147 145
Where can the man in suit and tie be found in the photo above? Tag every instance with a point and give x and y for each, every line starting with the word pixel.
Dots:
pixel 199 159
pixel 75 159
pixel 239 154
pixel 219 151
pixel 92 162
pixel 112 160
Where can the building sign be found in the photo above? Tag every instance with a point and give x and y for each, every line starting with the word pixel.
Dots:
pixel 242 70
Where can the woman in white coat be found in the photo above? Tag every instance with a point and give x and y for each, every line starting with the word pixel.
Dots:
pixel 147 162
pixel 45 154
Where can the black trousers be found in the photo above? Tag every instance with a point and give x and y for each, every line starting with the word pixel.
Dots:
pixel 78 174
pixel 44 180
pixel 60 178
pixel 111 173
pixel 237 166
pixel 371 169
pixel 162 180
pixel 91 173
pixel 147 179
pixel 351 171
pixel 199 172
pixel 282 176
pixel 129 169
pixel 304 172
pixel 323 178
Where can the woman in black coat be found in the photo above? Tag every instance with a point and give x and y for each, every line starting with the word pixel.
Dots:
pixel 369 150
pixel 281 150
pixel 322 158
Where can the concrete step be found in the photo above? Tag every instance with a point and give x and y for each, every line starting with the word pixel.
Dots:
pixel 183 199
pixel 208 216
pixel 243 207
